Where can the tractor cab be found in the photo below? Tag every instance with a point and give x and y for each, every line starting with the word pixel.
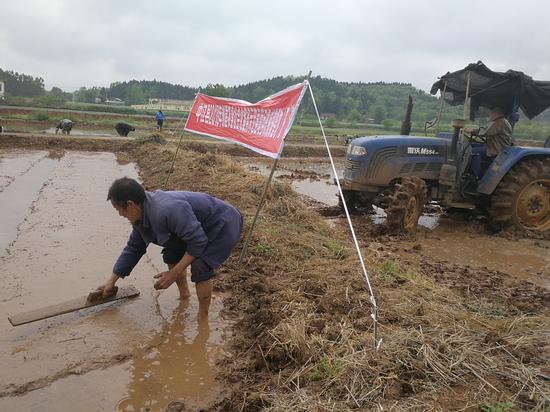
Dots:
pixel 480 89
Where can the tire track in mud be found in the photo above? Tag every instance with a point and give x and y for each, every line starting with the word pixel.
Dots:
pixel 486 282
pixel 489 284
pixel 511 294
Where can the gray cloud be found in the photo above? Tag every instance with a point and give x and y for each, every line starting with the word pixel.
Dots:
pixel 85 43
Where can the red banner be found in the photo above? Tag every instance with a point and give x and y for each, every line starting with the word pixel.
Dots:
pixel 261 126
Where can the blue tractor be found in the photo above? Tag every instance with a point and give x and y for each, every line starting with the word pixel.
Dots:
pixel 401 173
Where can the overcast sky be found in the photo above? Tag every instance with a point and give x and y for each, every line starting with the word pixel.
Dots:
pixel 195 42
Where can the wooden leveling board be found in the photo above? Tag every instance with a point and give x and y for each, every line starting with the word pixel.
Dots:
pixel 70 306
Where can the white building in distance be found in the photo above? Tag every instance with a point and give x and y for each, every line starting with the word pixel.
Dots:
pixel 166 104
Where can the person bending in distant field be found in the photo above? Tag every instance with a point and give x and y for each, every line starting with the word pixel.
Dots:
pixel 498 136
pixel 123 129
pixel 65 126
pixel 194 229
pixel 159 117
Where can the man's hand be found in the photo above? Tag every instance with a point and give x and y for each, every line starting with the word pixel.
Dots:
pixel 165 279
pixel 108 286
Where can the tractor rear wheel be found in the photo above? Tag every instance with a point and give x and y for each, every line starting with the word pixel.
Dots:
pixel 406 204
pixel 522 198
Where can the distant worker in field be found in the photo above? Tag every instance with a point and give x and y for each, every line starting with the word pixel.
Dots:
pixel 194 229
pixel 498 136
pixel 159 117
pixel 123 129
pixel 65 126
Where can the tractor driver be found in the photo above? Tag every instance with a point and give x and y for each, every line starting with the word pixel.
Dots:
pixel 498 136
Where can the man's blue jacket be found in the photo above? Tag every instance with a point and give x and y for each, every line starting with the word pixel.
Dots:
pixel 209 228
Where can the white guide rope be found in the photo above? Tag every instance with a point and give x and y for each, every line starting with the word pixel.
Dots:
pixel 374 314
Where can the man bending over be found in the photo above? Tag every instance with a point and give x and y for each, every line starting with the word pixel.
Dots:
pixel 194 229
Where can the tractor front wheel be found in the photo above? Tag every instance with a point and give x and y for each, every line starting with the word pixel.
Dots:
pixel 522 198
pixel 351 201
pixel 406 205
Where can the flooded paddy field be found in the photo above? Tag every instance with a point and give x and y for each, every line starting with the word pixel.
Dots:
pixel 88 132
pixel 312 177
pixel 460 328
pixel 59 238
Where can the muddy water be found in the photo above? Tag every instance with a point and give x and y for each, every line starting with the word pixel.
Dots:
pixel 320 187
pixel 429 221
pixel 130 355
pixel 524 258
pixel 77 132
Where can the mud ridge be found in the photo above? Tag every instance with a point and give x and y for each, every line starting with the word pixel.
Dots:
pixel 76 369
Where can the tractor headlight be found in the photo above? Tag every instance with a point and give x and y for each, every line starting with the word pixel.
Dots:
pixel 358 151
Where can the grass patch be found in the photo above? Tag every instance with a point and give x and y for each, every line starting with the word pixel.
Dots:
pixel 498 407
pixel 263 249
pixel 488 309
pixel 336 249
pixel 41 117
pixel 390 269
pixel 326 368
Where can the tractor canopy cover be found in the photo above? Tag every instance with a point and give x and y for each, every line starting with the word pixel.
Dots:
pixel 510 90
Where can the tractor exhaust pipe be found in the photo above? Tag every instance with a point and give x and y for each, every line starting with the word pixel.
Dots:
pixel 406 123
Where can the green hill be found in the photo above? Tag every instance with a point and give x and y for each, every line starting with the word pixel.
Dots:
pixel 354 102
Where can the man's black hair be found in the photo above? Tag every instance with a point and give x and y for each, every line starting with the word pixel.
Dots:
pixel 124 189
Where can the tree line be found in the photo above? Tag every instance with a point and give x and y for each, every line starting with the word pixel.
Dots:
pixel 353 102
pixel 23 85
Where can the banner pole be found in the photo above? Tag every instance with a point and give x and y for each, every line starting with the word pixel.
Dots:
pixel 173 162
pixel 178 147
pixel 247 240
pixel 374 312
pixel 245 245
